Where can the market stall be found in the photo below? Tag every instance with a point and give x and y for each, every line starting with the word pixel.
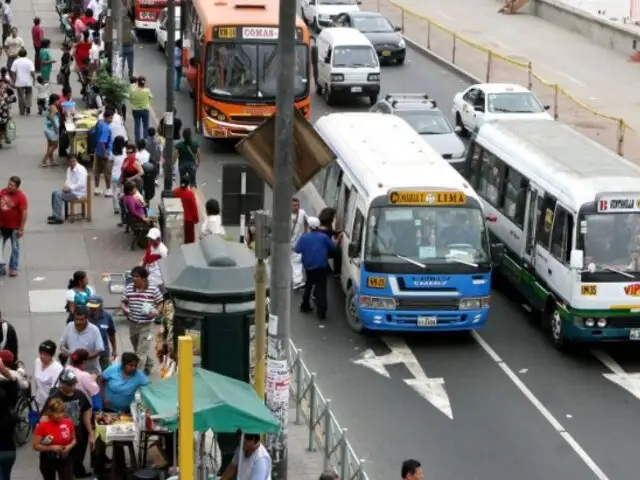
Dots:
pixel 77 125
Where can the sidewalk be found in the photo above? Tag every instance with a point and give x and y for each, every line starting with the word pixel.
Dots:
pixel 601 78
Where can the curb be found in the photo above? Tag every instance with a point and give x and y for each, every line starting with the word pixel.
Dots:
pixel 416 47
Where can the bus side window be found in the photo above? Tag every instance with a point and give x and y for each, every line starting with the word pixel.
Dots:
pixel 356 230
pixel 343 201
pixel 562 234
pixel 475 161
pixel 515 197
pixel 491 179
pixel 351 205
pixel 319 180
pixel 545 222
pixel 332 186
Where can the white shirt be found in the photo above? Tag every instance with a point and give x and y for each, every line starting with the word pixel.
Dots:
pixel 246 464
pixel 77 181
pixel 297 226
pixel 117 127
pixel 17 376
pixel 45 379
pixel 96 8
pixel 43 91
pixel 23 68
pixel 143 156
pixel 212 226
pixel 94 53
pixel 118 161
pixel 155 275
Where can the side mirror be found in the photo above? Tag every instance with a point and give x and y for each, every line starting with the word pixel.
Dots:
pixel 478 108
pixel 576 260
pixel 358 2
pixel 492 218
pixel 397 29
pixel 352 251
pixel 547 107
pixel 497 252
pixel 327 59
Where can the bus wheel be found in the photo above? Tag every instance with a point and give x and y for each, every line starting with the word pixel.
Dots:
pixel 554 327
pixel 328 98
pixel 351 311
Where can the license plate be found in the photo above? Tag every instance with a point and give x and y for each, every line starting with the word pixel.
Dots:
pixel 634 334
pixel 386 53
pixel 431 322
pixel 356 89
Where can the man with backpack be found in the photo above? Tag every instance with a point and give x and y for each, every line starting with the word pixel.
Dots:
pixel 102 164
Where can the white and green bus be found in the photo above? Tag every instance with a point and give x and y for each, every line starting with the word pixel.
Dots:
pixel 568 213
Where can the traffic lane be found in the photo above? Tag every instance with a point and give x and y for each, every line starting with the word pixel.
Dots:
pixel 602 417
pixel 495 433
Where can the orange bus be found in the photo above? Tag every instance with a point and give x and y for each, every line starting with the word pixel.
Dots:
pixel 232 65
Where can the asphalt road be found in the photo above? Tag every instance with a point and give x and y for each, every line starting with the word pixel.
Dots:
pixel 520 409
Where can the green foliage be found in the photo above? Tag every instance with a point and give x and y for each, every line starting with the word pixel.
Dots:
pixel 113 90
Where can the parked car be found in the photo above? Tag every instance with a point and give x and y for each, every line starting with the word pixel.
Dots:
pixel 322 13
pixel 162 31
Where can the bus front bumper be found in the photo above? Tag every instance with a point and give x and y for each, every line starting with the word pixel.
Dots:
pixel 218 129
pixel 582 334
pixel 146 24
pixel 438 321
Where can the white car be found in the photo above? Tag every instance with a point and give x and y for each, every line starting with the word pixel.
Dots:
pixel 495 101
pixel 161 30
pixel 322 13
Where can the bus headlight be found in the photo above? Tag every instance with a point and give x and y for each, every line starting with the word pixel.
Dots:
pixel 217 114
pixel 377 303
pixel 602 322
pixel 474 303
pixel 589 322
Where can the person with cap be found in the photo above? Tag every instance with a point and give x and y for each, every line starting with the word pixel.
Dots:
pixel 87 383
pixel 107 327
pixel 152 255
pixel 78 410
pixel 8 337
pixel 82 334
pixel 315 249
pixel 251 460
pixel 46 371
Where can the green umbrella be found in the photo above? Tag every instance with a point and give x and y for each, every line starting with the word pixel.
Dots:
pixel 220 403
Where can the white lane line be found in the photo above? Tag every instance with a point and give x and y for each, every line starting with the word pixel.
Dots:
pixel 608 362
pixel 574 80
pixel 629 381
pixel 557 426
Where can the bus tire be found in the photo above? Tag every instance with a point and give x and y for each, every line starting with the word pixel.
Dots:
pixel 553 325
pixel 351 311
pixel 328 98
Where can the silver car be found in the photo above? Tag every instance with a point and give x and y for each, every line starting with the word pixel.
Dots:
pixel 422 113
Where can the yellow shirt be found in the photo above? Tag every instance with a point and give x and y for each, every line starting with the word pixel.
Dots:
pixel 140 98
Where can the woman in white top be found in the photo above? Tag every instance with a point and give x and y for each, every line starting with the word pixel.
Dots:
pixel 142 154
pixel 45 371
pixel 118 155
pixel 213 223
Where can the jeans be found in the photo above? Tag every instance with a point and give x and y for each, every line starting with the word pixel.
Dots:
pixel 15 250
pixel 178 77
pixel 127 57
pixel 24 99
pixel 58 197
pixel 7 459
pixel 316 283
pixel 140 123
pixel 189 169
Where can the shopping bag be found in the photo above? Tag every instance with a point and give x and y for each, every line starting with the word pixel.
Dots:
pixel 10 131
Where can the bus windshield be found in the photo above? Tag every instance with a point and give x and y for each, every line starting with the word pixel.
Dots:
pixel 249 71
pixel 426 235
pixel 612 241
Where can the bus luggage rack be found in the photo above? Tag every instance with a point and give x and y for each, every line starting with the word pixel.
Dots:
pixel 325 432
pixel 117 282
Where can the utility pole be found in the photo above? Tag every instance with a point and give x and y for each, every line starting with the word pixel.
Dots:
pixel 116 38
pixel 168 114
pixel 280 291
pixel 262 249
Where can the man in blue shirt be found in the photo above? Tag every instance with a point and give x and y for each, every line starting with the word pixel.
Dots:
pixel 315 248
pixel 102 165
pixel 104 321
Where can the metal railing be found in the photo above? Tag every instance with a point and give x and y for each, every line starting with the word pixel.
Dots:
pixel 325 433
pixel 485 64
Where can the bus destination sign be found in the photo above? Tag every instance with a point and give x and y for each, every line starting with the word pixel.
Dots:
pixel 250 33
pixel 620 204
pixel 427 198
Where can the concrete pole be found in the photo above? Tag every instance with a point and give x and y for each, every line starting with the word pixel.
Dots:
pixel 185 407
pixel 168 115
pixel 117 15
pixel 280 292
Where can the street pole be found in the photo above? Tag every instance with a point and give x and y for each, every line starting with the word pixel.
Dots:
pixel 116 39
pixel 185 407
pixel 280 291
pixel 262 249
pixel 168 114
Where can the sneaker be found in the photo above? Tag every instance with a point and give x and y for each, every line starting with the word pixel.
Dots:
pixel 108 193
pixel 97 192
pixel 298 286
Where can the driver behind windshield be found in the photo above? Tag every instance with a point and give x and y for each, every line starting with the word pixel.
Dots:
pixel 459 231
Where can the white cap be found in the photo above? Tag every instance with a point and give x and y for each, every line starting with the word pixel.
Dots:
pixel 154 234
pixel 313 222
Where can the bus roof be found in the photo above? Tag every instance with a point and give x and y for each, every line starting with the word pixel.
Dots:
pixel 240 12
pixel 561 160
pixel 382 153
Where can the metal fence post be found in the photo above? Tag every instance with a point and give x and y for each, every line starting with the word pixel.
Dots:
pixel 299 383
pixel 428 35
pixel 529 76
pixel 312 412
pixel 489 60
pixel 328 435
pixel 361 474
pixel 453 50
pixel 402 19
pixel 344 460
pixel 556 89
pixel 621 132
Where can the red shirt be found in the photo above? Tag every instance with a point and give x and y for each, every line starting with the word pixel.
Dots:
pixel 12 207
pixel 82 53
pixel 62 100
pixel 37 34
pixel 88 21
pixel 61 432
pixel 189 203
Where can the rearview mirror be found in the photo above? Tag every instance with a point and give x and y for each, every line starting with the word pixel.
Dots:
pixel 327 59
pixel 576 260
pixel 547 107
pixel 353 250
pixel 358 2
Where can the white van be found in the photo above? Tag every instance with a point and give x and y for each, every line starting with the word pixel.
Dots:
pixel 345 64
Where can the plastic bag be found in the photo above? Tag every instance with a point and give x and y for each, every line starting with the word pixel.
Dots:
pixel 10 131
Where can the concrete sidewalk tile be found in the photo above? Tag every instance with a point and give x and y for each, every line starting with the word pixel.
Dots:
pixel 495 31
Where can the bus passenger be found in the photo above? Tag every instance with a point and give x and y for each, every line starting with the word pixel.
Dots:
pixel 327 216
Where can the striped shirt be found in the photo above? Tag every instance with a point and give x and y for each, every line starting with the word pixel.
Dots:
pixel 141 302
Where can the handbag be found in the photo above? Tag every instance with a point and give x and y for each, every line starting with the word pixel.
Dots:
pixel 10 131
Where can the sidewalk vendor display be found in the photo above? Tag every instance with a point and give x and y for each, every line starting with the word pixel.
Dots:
pixel 78 127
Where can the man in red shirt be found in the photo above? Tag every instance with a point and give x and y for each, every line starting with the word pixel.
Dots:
pixel 13 217
pixel 189 207
pixel 88 20
pixel 37 35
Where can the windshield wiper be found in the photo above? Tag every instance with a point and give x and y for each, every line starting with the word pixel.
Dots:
pixel 463 262
pixel 402 257
pixel 620 272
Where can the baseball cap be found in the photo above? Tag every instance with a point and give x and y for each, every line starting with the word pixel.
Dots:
pixel 154 234
pixel 95 302
pixel 68 377
pixel 313 222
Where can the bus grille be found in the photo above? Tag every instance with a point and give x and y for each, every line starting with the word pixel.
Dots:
pixel 623 322
pixel 249 119
pixel 426 303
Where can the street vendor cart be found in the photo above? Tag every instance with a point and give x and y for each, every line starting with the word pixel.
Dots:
pixel 77 128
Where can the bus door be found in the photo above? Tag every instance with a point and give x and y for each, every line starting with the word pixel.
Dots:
pixel 535 195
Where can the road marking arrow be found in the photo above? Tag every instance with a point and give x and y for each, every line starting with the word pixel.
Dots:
pixel 629 381
pixel 431 389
